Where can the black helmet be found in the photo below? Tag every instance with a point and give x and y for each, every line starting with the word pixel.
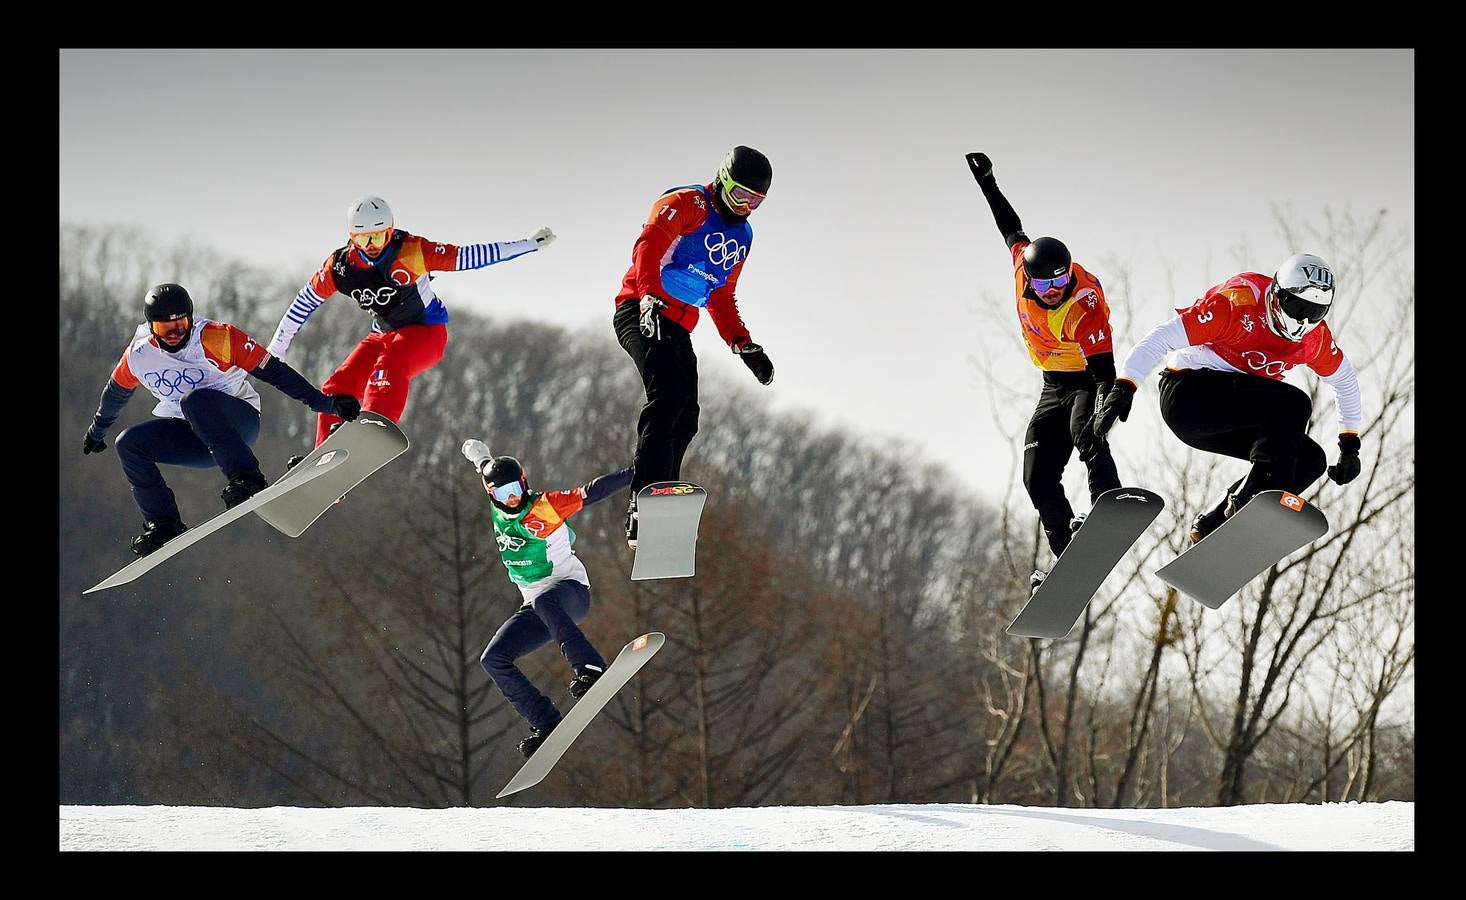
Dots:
pixel 165 303
pixel 504 475
pixel 1046 258
pixel 743 167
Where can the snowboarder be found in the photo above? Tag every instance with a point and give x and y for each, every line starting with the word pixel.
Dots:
pixel 1065 323
pixel 387 271
pixel 1223 391
pixel 209 414
pixel 537 546
pixel 688 257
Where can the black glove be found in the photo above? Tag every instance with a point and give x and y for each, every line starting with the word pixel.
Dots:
pixel 345 406
pixel 1087 443
pixel 97 445
pixel 981 166
pixel 757 361
pixel 1347 468
pixel 1116 405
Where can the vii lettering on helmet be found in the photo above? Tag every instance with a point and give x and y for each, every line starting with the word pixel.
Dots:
pixel 1319 275
pixel 366 298
pixel 168 382
pixel 723 250
pixel 1292 501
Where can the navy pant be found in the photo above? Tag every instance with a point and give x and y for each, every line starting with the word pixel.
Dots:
pixel 216 430
pixel 551 616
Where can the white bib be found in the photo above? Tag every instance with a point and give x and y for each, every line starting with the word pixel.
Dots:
pixel 172 376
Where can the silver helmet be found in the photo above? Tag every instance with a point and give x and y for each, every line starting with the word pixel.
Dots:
pixel 1300 296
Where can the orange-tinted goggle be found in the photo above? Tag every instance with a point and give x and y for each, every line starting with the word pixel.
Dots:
pixel 372 240
pixel 162 328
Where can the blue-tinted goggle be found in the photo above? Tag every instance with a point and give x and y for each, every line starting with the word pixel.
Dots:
pixel 505 492
pixel 1041 285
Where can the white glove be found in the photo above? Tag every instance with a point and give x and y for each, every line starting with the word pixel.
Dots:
pixel 477 452
pixel 277 350
pixel 542 238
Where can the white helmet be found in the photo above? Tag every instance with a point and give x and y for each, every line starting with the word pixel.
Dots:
pixel 1300 295
pixel 368 214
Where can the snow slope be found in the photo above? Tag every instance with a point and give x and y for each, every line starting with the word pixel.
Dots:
pixel 1349 826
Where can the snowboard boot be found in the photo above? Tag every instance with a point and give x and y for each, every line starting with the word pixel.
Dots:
pixel 294 461
pixel 532 741
pixel 587 676
pixel 156 534
pixel 631 524
pixel 1209 521
pixel 1077 522
pixel 1035 580
pixel 242 486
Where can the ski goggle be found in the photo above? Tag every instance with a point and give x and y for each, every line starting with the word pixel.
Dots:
pixel 369 240
pixel 1042 285
pixel 506 492
pixel 1298 309
pixel 739 197
pixel 182 323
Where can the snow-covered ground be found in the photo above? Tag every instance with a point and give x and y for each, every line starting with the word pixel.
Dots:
pixel 1348 826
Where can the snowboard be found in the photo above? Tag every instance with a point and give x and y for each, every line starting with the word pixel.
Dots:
pixel 667 514
pixel 311 469
pixel 626 664
pixel 373 441
pixel 1117 520
pixel 1260 534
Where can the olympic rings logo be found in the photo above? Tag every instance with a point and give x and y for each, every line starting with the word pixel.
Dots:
pixel 366 298
pixel 1260 363
pixel 723 250
pixel 173 381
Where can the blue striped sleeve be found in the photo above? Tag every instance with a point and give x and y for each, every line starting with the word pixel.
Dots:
pixel 477 256
pixel 305 303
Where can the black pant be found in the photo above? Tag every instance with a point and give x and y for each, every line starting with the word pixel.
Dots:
pixel 1064 407
pixel 668 370
pixel 1246 417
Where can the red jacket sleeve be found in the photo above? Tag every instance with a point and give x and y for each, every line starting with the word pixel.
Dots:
pixel 566 503
pixel 1329 357
pixel 723 307
pixel 673 215
pixel 1092 332
pixel 435 257
pixel 1209 319
pixel 228 346
pixel 322 282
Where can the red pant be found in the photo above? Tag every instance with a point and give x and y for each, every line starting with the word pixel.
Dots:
pixel 378 371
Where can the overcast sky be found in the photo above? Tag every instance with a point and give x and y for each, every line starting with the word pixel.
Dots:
pixel 875 252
